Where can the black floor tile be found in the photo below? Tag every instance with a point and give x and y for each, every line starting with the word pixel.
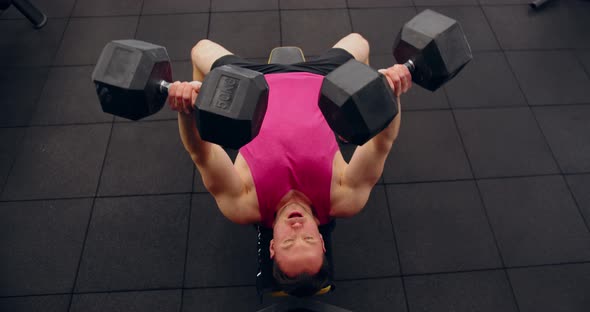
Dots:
pixel 579 10
pixel 51 8
pixel 220 253
pixel 312 4
pixel 445 3
pixel 474 24
pixel 10 142
pixel 427 149
pixel 496 2
pixel 441 227
pixel 135 243
pixel 69 96
pixel 579 185
pixel 379 3
pixel 58 162
pixel 146 158
pixel 504 142
pixel 151 7
pixel 417 98
pixel 19 97
pixel 314 31
pixel 543 80
pixel 21 45
pixel 485 82
pixel 85 38
pixel 107 7
pixel 554 288
pixel 368 295
pixel 535 221
pixel 368 233
pixel 145 301
pixel 41 245
pixel 182 71
pixel 36 304
pixel 178 33
pixel 566 130
pixel 461 292
pixel 247 34
pixel 519 27
pixel 253 5
pixel 380 26
pixel 226 299
pixel 584 57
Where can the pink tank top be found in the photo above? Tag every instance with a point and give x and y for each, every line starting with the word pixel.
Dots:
pixel 295 147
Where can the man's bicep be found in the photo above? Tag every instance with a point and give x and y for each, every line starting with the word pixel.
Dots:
pixel 366 166
pixel 219 174
pixel 236 209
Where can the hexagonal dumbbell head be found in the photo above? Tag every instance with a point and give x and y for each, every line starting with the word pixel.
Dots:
pixel 436 45
pixel 357 102
pixel 127 78
pixel 231 106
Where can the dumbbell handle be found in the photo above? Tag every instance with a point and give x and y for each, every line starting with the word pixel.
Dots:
pixel 165 86
pixel 410 65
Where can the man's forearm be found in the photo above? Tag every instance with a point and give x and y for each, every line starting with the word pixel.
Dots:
pixel 194 145
pixel 384 139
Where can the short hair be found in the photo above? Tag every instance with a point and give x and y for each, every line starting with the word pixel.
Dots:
pixel 302 285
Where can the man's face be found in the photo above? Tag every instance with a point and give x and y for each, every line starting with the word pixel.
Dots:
pixel 297 246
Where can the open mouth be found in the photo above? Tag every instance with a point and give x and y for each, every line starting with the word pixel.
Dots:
pixel 295 214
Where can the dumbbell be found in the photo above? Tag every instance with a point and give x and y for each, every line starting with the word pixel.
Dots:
pixel 132 78
pixel 357 101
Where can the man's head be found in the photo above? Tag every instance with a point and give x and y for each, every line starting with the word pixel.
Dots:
pixel 297 246
pixel 300 266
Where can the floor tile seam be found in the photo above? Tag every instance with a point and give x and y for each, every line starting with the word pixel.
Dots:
pixel 541 50
pixel 97 184
pixel 548 146
pixel 94 123
pixel 130 195
pixel 476 179
pixel 381 277
pixel 185 265
pixel 36 104
pixel 281 42
pixel 487 178
pixel 483 208
pixel 488 269
pixel 65 124
pixel 570 191
pixel 520 5
pixel 349 15
pixel 507 107
pixel 92 208
pixel 187 244
pixel 473 176
pixel 577 204
pixel 38 98
pixel 205 12
pixel 581 64
pixel 394 236
pixel 115 291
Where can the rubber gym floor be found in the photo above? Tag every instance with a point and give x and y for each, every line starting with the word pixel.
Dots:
pixel 484 203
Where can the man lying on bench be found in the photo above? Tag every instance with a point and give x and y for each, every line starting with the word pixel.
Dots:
pixel 292 176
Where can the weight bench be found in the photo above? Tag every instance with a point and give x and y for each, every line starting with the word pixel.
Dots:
pixel 31 12
pixel 265 283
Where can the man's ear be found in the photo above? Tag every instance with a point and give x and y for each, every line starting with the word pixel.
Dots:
pixel 271 246
pixel 323 245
